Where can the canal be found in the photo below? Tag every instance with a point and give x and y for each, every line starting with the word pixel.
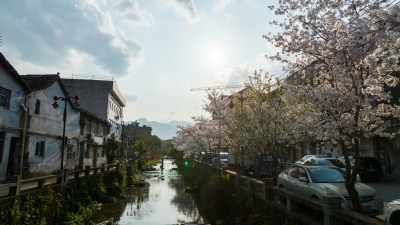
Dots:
pixel 162 200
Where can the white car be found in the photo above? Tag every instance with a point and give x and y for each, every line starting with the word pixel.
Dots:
pixel 392 214
pixel 311 181
pixel 223 156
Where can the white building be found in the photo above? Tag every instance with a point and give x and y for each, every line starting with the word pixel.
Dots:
pixel 13 90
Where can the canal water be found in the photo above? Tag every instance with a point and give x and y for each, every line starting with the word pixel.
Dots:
pixel 162 200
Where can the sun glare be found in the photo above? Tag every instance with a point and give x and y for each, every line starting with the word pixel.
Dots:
pixel 215 55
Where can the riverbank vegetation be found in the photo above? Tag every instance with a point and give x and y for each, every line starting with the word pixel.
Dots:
pixel 220 202
pixel 70 204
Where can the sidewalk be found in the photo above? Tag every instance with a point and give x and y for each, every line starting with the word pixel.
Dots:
pixel 389 186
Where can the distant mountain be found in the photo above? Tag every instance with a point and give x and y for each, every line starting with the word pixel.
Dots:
pixel 164 131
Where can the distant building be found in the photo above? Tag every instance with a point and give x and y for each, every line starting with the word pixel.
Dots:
pixel 101 98
pixel 133 132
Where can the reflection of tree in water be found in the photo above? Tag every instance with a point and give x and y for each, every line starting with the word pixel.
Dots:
pixel 108 211
pixel 175 182
pixel 185 204
pixel 137 197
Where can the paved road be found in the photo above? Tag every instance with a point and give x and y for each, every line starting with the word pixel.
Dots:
pixel 389 186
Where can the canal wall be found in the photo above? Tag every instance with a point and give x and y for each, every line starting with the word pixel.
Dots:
pixel 308 211
pixel 68 198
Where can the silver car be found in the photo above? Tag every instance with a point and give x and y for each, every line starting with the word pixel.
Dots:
pixel 311 181
pixel 392 214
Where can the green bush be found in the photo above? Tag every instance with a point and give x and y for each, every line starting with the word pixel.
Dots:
pixel 70 204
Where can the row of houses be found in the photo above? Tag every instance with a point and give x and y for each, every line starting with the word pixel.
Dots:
pixel 32 110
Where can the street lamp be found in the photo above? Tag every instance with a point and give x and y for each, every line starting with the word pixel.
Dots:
pixel 55 105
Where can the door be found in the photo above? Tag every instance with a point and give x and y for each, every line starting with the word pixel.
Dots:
pixel 13 158
pixel 81 154
pixel 95 156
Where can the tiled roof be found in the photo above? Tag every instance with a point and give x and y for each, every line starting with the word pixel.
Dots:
pixel 40 82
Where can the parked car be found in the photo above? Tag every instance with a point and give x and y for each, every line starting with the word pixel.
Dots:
pixel 265 163
pixel 311 181
pixel 223 156
pixel 392 214
pixel 324 161
pixel 301 161
pixel 370 168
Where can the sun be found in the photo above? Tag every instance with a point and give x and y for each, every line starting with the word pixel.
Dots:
pixel 214 55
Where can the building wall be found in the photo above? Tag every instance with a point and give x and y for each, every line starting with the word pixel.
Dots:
pixel 101 98
pixel 115 116
pixel 47 127
pixel 92 137
pixel 93 94
pixel 134 132
pixel 9 118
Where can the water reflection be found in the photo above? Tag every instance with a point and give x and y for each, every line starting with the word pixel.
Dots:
pixel 162 201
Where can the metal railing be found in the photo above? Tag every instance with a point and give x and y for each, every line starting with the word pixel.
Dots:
pixel 32 185
pixel 292 204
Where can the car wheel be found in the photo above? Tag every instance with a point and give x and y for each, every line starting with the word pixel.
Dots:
pixel 396 221
pixel 316 212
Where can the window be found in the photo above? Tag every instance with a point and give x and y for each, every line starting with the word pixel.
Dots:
pixel 5 96
pixel 2 137
pixel 37 108
pixel 82 129
pixel 69 152
pixel 105 130
pixel 87 152
pixel 292 172
pixel 89 127
pixel 40 148
pixel 96 127
pixel 302 173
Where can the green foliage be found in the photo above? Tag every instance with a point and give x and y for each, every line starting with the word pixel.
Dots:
pixel 112 148
pixel 140 147
pixel 174 153
pixel 154 144
pixel 220 202
pixel 165 146
pixel 71 204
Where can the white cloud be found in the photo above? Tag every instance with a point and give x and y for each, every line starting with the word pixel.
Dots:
pixel 129 10
pixel 185 8
pixel 238 74
pixel 50 33
pixel 221 5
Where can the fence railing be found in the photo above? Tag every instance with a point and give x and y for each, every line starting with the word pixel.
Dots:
pixel 294 205
pixel 26 186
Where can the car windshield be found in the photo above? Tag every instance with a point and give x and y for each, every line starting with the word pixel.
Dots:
pixel 333 162
pixel 223 156
pixel 321 174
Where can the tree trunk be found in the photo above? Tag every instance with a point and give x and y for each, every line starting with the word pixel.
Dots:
pixel 351 174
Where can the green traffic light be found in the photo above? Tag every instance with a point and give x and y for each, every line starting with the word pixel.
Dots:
pixel 186 163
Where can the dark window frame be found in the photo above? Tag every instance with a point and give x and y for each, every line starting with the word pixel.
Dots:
pixel 5 97
pixel 37 107
pixel 40 148
pixel 2 141
pixel 69 152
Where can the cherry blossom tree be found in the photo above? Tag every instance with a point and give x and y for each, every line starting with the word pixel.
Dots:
pixel 344 54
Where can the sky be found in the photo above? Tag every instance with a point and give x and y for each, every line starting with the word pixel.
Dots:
pixel 156 50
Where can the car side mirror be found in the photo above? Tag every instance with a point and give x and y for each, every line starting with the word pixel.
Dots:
pixel 303 179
